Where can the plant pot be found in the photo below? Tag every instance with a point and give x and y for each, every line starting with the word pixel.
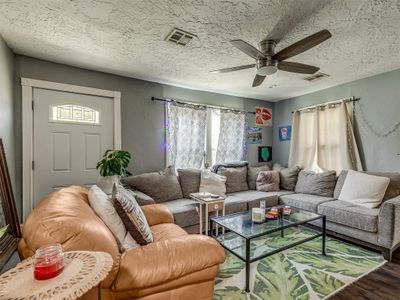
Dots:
pixel 107 183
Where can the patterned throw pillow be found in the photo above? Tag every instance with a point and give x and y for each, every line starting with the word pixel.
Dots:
pixel 104 208
pixel 252 174
pixel 268 181
pixel 132 216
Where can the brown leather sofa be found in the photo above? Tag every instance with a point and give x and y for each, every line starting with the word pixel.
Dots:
pixel 175 266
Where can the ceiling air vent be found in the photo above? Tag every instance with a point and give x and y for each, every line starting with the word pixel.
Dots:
pixel 180 37
pixel 317 76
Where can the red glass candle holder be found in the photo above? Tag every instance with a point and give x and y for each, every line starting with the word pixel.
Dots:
pixel 49 262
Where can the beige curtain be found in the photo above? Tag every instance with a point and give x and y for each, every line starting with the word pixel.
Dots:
pixel 323 139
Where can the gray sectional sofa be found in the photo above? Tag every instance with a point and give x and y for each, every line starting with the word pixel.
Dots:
pixel 378 228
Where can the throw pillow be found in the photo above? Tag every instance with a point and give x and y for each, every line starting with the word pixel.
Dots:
pixel 103 207
pixel 236 178
pixel 268 181
pixel 363 189
pixel 252 174
pixel 288 176
pixel 320 184
pixel 189 180
pixel 161 186
pixel 212 183
pixel 392 191
pixel 132 215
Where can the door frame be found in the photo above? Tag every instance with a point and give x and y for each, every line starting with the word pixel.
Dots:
pixel 28 85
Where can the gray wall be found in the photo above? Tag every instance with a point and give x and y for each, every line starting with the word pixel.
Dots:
pixel 143 121
pixel 380 104
pixel 7 108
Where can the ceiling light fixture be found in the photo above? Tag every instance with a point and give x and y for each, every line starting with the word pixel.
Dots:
pixel 267 70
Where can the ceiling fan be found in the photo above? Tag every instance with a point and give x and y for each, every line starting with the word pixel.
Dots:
pixel 268 62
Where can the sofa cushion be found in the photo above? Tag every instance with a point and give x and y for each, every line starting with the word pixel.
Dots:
pixel 320 184
pixel 212 183
pixel 142 198
pixel 189 180
pixel 252 198
pixel 237 164
pixel 392 191
pixel 184 211
pixel 252 174
pixel 288 176
pixel 236 178
pixel 304 201
pixel 268 181
pixel 161 186
pixel 346 213
pixel 235 204
pixel 364 189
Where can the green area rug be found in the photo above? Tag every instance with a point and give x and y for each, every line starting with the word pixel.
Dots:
pixel 299 273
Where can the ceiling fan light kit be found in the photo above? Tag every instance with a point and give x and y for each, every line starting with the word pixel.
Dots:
pixel 268 62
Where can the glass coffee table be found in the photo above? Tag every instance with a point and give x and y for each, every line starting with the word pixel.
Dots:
pixel 240 231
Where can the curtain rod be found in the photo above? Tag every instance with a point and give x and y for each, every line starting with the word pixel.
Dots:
pixel 348 99
pixel 206 105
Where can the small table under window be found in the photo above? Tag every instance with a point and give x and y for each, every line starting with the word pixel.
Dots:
pixel 210 205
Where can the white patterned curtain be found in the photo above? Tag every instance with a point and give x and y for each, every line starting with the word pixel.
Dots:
pixel 231 140
pixel 186 130
pixel 323 139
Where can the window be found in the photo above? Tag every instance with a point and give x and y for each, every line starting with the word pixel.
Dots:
pixel 323 139
pixel 198 136
pixel 73 113
pixel 213 130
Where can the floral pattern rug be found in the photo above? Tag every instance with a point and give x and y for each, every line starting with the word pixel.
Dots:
pixel 298 273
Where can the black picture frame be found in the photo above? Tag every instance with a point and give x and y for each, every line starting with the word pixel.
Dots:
pixel 264 153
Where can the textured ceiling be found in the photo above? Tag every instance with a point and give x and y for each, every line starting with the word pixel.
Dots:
pixel 127 38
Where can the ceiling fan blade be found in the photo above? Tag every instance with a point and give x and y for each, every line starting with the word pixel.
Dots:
pixel 247 48
pixel 258 80
pixel 226 70
pixel 297 67
pixel 303 45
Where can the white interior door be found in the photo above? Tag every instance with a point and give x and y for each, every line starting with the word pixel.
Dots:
pixel 70 133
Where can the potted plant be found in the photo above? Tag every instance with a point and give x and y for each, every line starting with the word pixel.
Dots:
pixel 112 167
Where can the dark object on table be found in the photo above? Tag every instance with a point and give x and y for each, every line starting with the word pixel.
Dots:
pixel 11 232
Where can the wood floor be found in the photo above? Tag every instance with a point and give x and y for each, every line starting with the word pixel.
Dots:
pixel 382 284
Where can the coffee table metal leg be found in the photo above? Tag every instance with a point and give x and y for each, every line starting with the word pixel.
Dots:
pixel 247 265
pixel 216 224
pixel 323 235
pixel 201 217
pixel 206 207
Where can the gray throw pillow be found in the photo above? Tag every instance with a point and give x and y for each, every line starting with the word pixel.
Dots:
pixel 236 178
pixel 321 184
pixel 189 180
pixel 392 191
pixel 252 174
pixel 288 176
pixel 161 186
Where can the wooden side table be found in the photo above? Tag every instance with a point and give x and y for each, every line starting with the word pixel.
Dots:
pixel 83 270
pixel 210 205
